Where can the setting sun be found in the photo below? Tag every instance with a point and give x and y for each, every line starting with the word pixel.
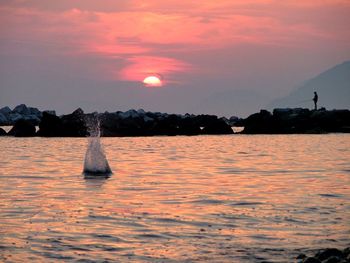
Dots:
pixel 152 81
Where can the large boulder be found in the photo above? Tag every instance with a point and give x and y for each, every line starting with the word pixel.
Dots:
pixel 2 132
pixel 3 119
pixel 217 126
pixel 288 121
pixel 328 253
pixel 258 123
pixel 52 112
pixel 164 125
pixel 4 116
pixel 21 109
pixel 35 112
pixel 13 117
pixel 5 110
pixel 188 126
pixel 71 125
pixel 50 126
pixel 331 121
pixel 22 128
pixel 32 118
pixel 74 124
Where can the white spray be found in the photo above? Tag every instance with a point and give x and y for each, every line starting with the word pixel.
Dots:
pixel 95 159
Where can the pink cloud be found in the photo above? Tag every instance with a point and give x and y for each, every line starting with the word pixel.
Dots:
pixel 148 36
pixel 139 67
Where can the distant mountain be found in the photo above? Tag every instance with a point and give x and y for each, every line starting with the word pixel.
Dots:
pixel 332 86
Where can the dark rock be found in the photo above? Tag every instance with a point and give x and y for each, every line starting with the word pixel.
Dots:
pixel 2 132
pixel 21 109
pixel 256 123
pixel 311 260
pixel 4 116
pixel 13 117
pixel 164 126
pixel 5 110
pixel 233 120
pixel 50 126
pixel 301 256
pixel 3 119
pixel 332 259
pixel 346 252
pixel 217 126
pixel 35 112
pixel 52 112
pixel 35 120
pixel 329 252
pixel 187 126
pixel 297 120
pixel 22 128
pixel 71 125
pixel 74 124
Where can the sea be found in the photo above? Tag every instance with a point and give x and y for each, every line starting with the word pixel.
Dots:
pixel 228 198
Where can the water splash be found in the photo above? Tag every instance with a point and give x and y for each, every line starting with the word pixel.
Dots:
pixel 95 159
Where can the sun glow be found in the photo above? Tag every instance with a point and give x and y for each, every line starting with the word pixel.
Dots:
pixel 152 81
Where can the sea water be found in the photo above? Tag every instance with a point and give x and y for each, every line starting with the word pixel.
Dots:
pixel 235 198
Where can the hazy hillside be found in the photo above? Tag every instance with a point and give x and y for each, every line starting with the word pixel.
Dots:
pixel 332 86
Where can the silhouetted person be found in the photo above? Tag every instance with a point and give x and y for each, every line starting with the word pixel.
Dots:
pixel 315 99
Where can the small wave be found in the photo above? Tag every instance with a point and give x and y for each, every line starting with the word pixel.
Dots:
pixel 207 201
pixel 246 203
pixel 331 195
pixel 142 236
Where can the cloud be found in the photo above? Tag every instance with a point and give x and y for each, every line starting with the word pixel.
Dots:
pixel 141 66
pixel 160 31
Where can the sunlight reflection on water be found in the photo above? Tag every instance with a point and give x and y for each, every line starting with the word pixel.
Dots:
pixel 174 199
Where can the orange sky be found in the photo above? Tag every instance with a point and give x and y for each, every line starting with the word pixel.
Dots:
pixel 180 41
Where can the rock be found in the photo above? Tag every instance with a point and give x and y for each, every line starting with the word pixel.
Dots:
pixel 311 260
pixel 22 128
pixel 329 252
pixel 297 120
pixel 147 119
pixel 35 112
pixel 346 252
pixel 258 123
pixel 332 259
pixel 74 124
pixel 14 117
pixel 301 256
pixel 141 112
pixel 3 119
pixel 2 132
pixel 129 114
pixel 32 118
pixel 5 110
pixel 217 126
pixel 21 109
pixel 186 126
pixel 233 120
pixel 50 126
pixel 52 112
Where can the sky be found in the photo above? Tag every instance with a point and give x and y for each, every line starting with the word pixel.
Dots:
pixel 224 57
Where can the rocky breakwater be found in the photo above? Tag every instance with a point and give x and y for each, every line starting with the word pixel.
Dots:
pixel 296 120
pixel 141 123
pixel 131 123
